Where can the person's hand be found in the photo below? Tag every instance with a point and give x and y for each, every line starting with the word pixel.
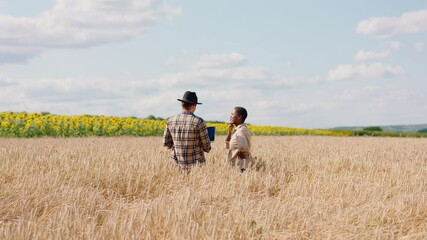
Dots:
pixel 243 155
pixel 230 127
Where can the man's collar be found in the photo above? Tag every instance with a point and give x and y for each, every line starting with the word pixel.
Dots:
pixel 241 125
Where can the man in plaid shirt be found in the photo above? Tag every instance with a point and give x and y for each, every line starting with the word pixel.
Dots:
pixel 186 134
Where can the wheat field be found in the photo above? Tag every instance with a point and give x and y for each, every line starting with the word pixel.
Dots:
pixel 300 188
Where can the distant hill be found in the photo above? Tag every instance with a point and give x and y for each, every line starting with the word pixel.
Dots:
pixel 392 128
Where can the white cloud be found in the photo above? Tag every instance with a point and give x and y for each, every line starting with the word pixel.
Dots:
pixel 223 87
pixel 102 95
pixel 370 55
pixel 366 92
pixel 80 23
pixel 401 94
pixel 214 69
pixel 229 69
pixel 4 82
pixel 395 45
pixel 170 61
pixel 374 70
pixel 286 101
pixel 286 107
pixel 409 22
pixel 17 54
pixel 221 60
pixel 289 82
pixel 236 76
pixel 419 47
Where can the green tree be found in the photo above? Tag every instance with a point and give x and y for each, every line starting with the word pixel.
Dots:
pixel 373 129
pixel 151 117
pixel 424 130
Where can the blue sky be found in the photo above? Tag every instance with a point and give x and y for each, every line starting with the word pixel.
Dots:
pixel 314 64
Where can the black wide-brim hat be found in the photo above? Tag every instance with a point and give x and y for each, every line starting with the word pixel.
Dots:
pixel 189 97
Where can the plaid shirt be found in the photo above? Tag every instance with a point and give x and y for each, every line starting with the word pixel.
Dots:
pixel 187 136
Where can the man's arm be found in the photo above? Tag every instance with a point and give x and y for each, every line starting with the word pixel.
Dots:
pixel 167 138
pixel 229 133
pixel 204 137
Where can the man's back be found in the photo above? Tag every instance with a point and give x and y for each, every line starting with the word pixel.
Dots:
pixel 186 133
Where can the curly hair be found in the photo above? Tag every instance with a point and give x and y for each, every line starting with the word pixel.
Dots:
pixel 241 111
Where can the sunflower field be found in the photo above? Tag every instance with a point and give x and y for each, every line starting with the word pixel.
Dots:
pixel 38 125
pixel 24 124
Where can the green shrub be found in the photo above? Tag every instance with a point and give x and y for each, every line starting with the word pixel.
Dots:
pixel 373 129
